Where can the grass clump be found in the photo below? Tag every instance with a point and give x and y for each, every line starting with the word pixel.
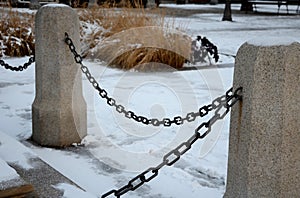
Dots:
pixel 133 39
pixel 145 48
pixel 16 36
pixel 125 38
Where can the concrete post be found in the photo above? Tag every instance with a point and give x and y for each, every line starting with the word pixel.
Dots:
pixel 59 110
pixel 264 148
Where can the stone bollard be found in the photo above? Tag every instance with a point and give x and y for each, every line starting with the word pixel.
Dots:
pixel 59 115
pixel 264 147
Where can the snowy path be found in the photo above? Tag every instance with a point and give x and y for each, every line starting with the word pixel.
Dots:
pixel 159 95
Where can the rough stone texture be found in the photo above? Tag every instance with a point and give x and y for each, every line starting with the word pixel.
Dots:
pixel 59 110
pixel 44 178
pixel 264 148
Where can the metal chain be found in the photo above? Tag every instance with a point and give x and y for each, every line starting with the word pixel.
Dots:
pixel 174 155
pixel 221 104
pixel 227 54
pixel 19 68
pixel 166 122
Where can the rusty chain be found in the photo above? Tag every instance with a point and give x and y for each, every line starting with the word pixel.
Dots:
pixel 18 68
pixel 174 155
pixel 166 122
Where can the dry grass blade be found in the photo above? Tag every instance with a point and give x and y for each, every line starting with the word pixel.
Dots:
pixel 16 36
pixel 134 38
pixel 124 37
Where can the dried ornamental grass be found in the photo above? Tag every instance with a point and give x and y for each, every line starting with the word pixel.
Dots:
pixel 134 39
pixel 16 36
pixel 127 37
pixel 137 48
pixel 99 23
pixel 147 59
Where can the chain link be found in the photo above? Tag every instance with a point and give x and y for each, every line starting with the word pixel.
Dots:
pixel 221 105
pixel 166 122
pixel 19 68
pixel 174 155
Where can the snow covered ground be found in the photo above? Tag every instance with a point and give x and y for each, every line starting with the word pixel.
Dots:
pixel 119 149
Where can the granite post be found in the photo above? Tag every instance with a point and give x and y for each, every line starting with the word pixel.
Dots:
pixel 59 115
pixel 264 145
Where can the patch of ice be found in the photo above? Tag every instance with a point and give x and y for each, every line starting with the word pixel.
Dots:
pixel 56 5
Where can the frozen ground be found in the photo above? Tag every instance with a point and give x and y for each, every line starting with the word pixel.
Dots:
pixel 117 149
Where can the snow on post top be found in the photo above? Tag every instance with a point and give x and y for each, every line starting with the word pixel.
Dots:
pixel 271 41
pixel 56 5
